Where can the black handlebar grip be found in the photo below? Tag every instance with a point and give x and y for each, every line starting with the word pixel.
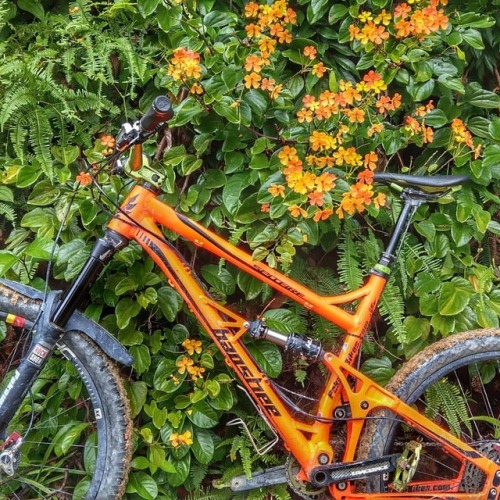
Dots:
pixel 159 112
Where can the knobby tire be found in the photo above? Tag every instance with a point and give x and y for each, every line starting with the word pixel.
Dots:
pixel 76 403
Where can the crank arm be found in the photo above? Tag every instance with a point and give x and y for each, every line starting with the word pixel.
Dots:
pixel 260 479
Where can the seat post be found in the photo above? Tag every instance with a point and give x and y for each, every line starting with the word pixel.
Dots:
pixel 412 198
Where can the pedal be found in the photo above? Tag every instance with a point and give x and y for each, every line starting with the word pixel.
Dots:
pixel 350 471
pixel 261 478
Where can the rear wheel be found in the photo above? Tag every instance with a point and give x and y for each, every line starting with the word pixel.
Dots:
pixel 455 382
pixel 74 423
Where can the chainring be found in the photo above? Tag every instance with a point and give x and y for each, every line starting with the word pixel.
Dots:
pixel 302 488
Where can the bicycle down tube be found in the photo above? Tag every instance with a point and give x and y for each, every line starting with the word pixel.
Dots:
pixel 227 328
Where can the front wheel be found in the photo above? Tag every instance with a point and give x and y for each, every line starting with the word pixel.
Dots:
pixel 74 423
pixel 454 382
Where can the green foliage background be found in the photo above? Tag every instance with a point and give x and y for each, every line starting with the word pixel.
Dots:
pixel 72 70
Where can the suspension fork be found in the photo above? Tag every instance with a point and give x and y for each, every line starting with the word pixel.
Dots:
pixel 49 328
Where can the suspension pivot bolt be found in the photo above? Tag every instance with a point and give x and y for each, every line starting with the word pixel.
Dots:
pixel 364 405
pixel 323 459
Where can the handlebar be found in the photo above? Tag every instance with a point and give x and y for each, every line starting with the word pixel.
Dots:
pixel 159 112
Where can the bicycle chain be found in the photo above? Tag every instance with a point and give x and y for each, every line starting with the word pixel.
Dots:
pixel 301 488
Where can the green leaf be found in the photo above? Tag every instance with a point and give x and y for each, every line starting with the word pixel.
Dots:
pixel 182 468
pixel 203 415
pixel 454 297
pixel 142 484
pixel 473 38
pixel 147 7
pixel 6 194
pixel 67 437
pixel 481 98
pixel 142 358
pixel 7 260
pixel 316 10
pixel 220 278
pixel 203 446
pixel 249 285
pixel 421 91
pixel 168 17
pixel 137 393
pixel 379 369
pixel 40 248
pixel 33 7
pixel 284 321
pixel 217 19
pixel 170 302
pixel 232 191
pixel 336 13
pixel 125 310
pixel 268 356
pixel 190 164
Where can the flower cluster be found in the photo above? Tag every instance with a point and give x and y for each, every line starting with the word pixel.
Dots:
pixel 415 125
pixel 339 114
pixel 461 135
pixel 108 143
pixel 269 26
pixel 417 18
pixel 186 364
pixel 184 65
pixel 177 440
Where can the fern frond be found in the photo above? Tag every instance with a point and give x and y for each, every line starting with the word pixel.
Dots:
pixel 8 212
pixel 392 308
pixel 211 494
pixel 13 101
pixel 446 399
pixel 40 139
pixel 349 266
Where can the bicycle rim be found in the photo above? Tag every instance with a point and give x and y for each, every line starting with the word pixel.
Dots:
pixel 74 426
pixel 457 386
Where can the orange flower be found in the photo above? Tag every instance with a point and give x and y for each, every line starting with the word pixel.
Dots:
pixel 268 84
pixel 379 200
pixel 84 178
pixel 322 214
pixel 366 176
pixel 252 9
pixel 253 63
pixel 316 198
pixel 402 11
pixel 265 207
pixel 277 190
pixel 310 52
pixel 318 69
pixel 355 115
pixel 296 211
pixel 253 31
pixel 376 128
pixel 196 88
pixel 107 140
pixel 371 160
pixel 252 81
pixel 304 115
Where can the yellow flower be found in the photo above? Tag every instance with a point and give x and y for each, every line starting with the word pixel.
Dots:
pixel 192 346
pixel 180 439
pixel 183 364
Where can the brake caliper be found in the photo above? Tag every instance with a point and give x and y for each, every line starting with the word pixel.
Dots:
pixel 10 454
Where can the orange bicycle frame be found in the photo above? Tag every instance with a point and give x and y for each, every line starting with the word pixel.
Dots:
pixel 139 219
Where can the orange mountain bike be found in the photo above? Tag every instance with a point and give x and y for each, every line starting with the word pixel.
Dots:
pixel 359 441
